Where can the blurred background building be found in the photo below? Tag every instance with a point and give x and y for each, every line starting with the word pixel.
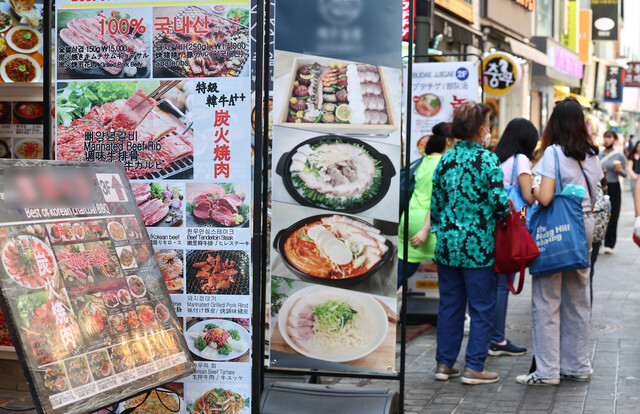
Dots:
pixel 578 48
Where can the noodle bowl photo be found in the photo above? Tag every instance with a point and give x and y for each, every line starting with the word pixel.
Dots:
pixel 332 324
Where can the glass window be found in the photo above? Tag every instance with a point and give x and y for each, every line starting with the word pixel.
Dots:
pixel 544 18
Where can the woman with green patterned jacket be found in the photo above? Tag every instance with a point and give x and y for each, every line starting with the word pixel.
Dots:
pixel 468 198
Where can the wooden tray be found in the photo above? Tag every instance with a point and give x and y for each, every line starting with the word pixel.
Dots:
pixel 361 129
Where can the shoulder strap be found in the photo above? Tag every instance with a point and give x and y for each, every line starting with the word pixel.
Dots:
pixel 593 202
pixel 514 169
pixel 606 157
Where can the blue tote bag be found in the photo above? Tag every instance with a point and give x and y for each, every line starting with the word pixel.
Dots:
pixel 513 191
pixel 559 233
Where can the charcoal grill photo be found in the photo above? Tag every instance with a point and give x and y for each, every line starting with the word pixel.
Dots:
pixel 239 282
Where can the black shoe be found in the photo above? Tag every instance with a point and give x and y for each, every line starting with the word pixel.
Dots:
pixel 507 349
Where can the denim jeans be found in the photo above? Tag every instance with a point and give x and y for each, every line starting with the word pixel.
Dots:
pixel 411 269
pixel 502 300
pixel 561 318
pixel 457 285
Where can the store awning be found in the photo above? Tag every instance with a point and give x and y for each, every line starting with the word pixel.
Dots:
pixel 528 52
pixel 455 29
pixel 562 92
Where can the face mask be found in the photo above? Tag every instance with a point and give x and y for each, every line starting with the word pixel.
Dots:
pixel 486 140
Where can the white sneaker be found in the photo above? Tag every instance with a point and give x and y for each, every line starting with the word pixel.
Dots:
pixel 532 379
pixel 608 250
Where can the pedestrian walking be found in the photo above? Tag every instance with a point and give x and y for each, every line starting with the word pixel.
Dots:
pixel 422 241
pixel 633 165
pixel 614 163
pixel 560 304
pixel 468 197
pixel 515 152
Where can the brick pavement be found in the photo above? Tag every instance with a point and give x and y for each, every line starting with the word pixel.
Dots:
pixel 615 350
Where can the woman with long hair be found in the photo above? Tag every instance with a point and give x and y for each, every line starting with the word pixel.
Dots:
pixel 560 303
pixel 515 152
pixel 615 165
pixel 633 165
pixel 422 241
pixel 468 198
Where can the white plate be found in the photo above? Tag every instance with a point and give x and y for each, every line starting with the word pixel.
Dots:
pixel 226 325
pixel 10 22
pixel 19 49
pixel 3 71
pixel 312 295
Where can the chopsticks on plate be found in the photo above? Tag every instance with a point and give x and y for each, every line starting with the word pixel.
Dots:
pixel 156 94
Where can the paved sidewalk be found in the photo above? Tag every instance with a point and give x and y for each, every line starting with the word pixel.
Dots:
pixel 615 350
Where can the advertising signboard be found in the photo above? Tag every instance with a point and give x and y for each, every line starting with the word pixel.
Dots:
pixel 334 211
pixel 437 90
pixel 584 40
pixel 614 84
pixel 632 79
pixel 91 318
pixel 501 74
pixel 605 19
pixel 167 92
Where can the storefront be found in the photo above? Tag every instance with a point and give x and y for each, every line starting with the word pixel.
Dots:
pixel 508 25
pixel 555 81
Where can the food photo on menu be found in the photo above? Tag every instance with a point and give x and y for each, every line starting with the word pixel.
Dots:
pixel 203 398
pixel 336 173
pixel 21 41
pixel 155 115
pixel 108 43
pixel 221 272
pixel 171 264
pixel 329 327
pixel 332 249
pixel 218 340
pixel 220 32
pixel 217 205
pixel 27 144
pixel 329 95
pixel 161 204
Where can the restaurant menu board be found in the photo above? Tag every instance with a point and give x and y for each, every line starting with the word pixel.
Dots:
pixel 21 41
pixel 89 313
pixel 21 130
pixel 336 157
pixel 437 90
pixel 166 91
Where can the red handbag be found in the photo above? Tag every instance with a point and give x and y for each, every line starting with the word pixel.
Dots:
pixel 515 248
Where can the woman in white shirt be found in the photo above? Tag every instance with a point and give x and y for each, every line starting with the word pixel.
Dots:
pixel 517 143
pixel 560 302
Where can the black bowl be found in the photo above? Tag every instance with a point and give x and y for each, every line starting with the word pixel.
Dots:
pixel 388 171
pixel 283 235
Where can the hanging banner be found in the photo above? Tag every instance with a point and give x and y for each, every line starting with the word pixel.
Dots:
pixel 632 79
pixel 437 90
pixel 166 91
pixel 605 19
pixel 584 39
pixel 405 19
pixel 614 84
pixel 336 155
pixel 501 74
pixel 91 319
